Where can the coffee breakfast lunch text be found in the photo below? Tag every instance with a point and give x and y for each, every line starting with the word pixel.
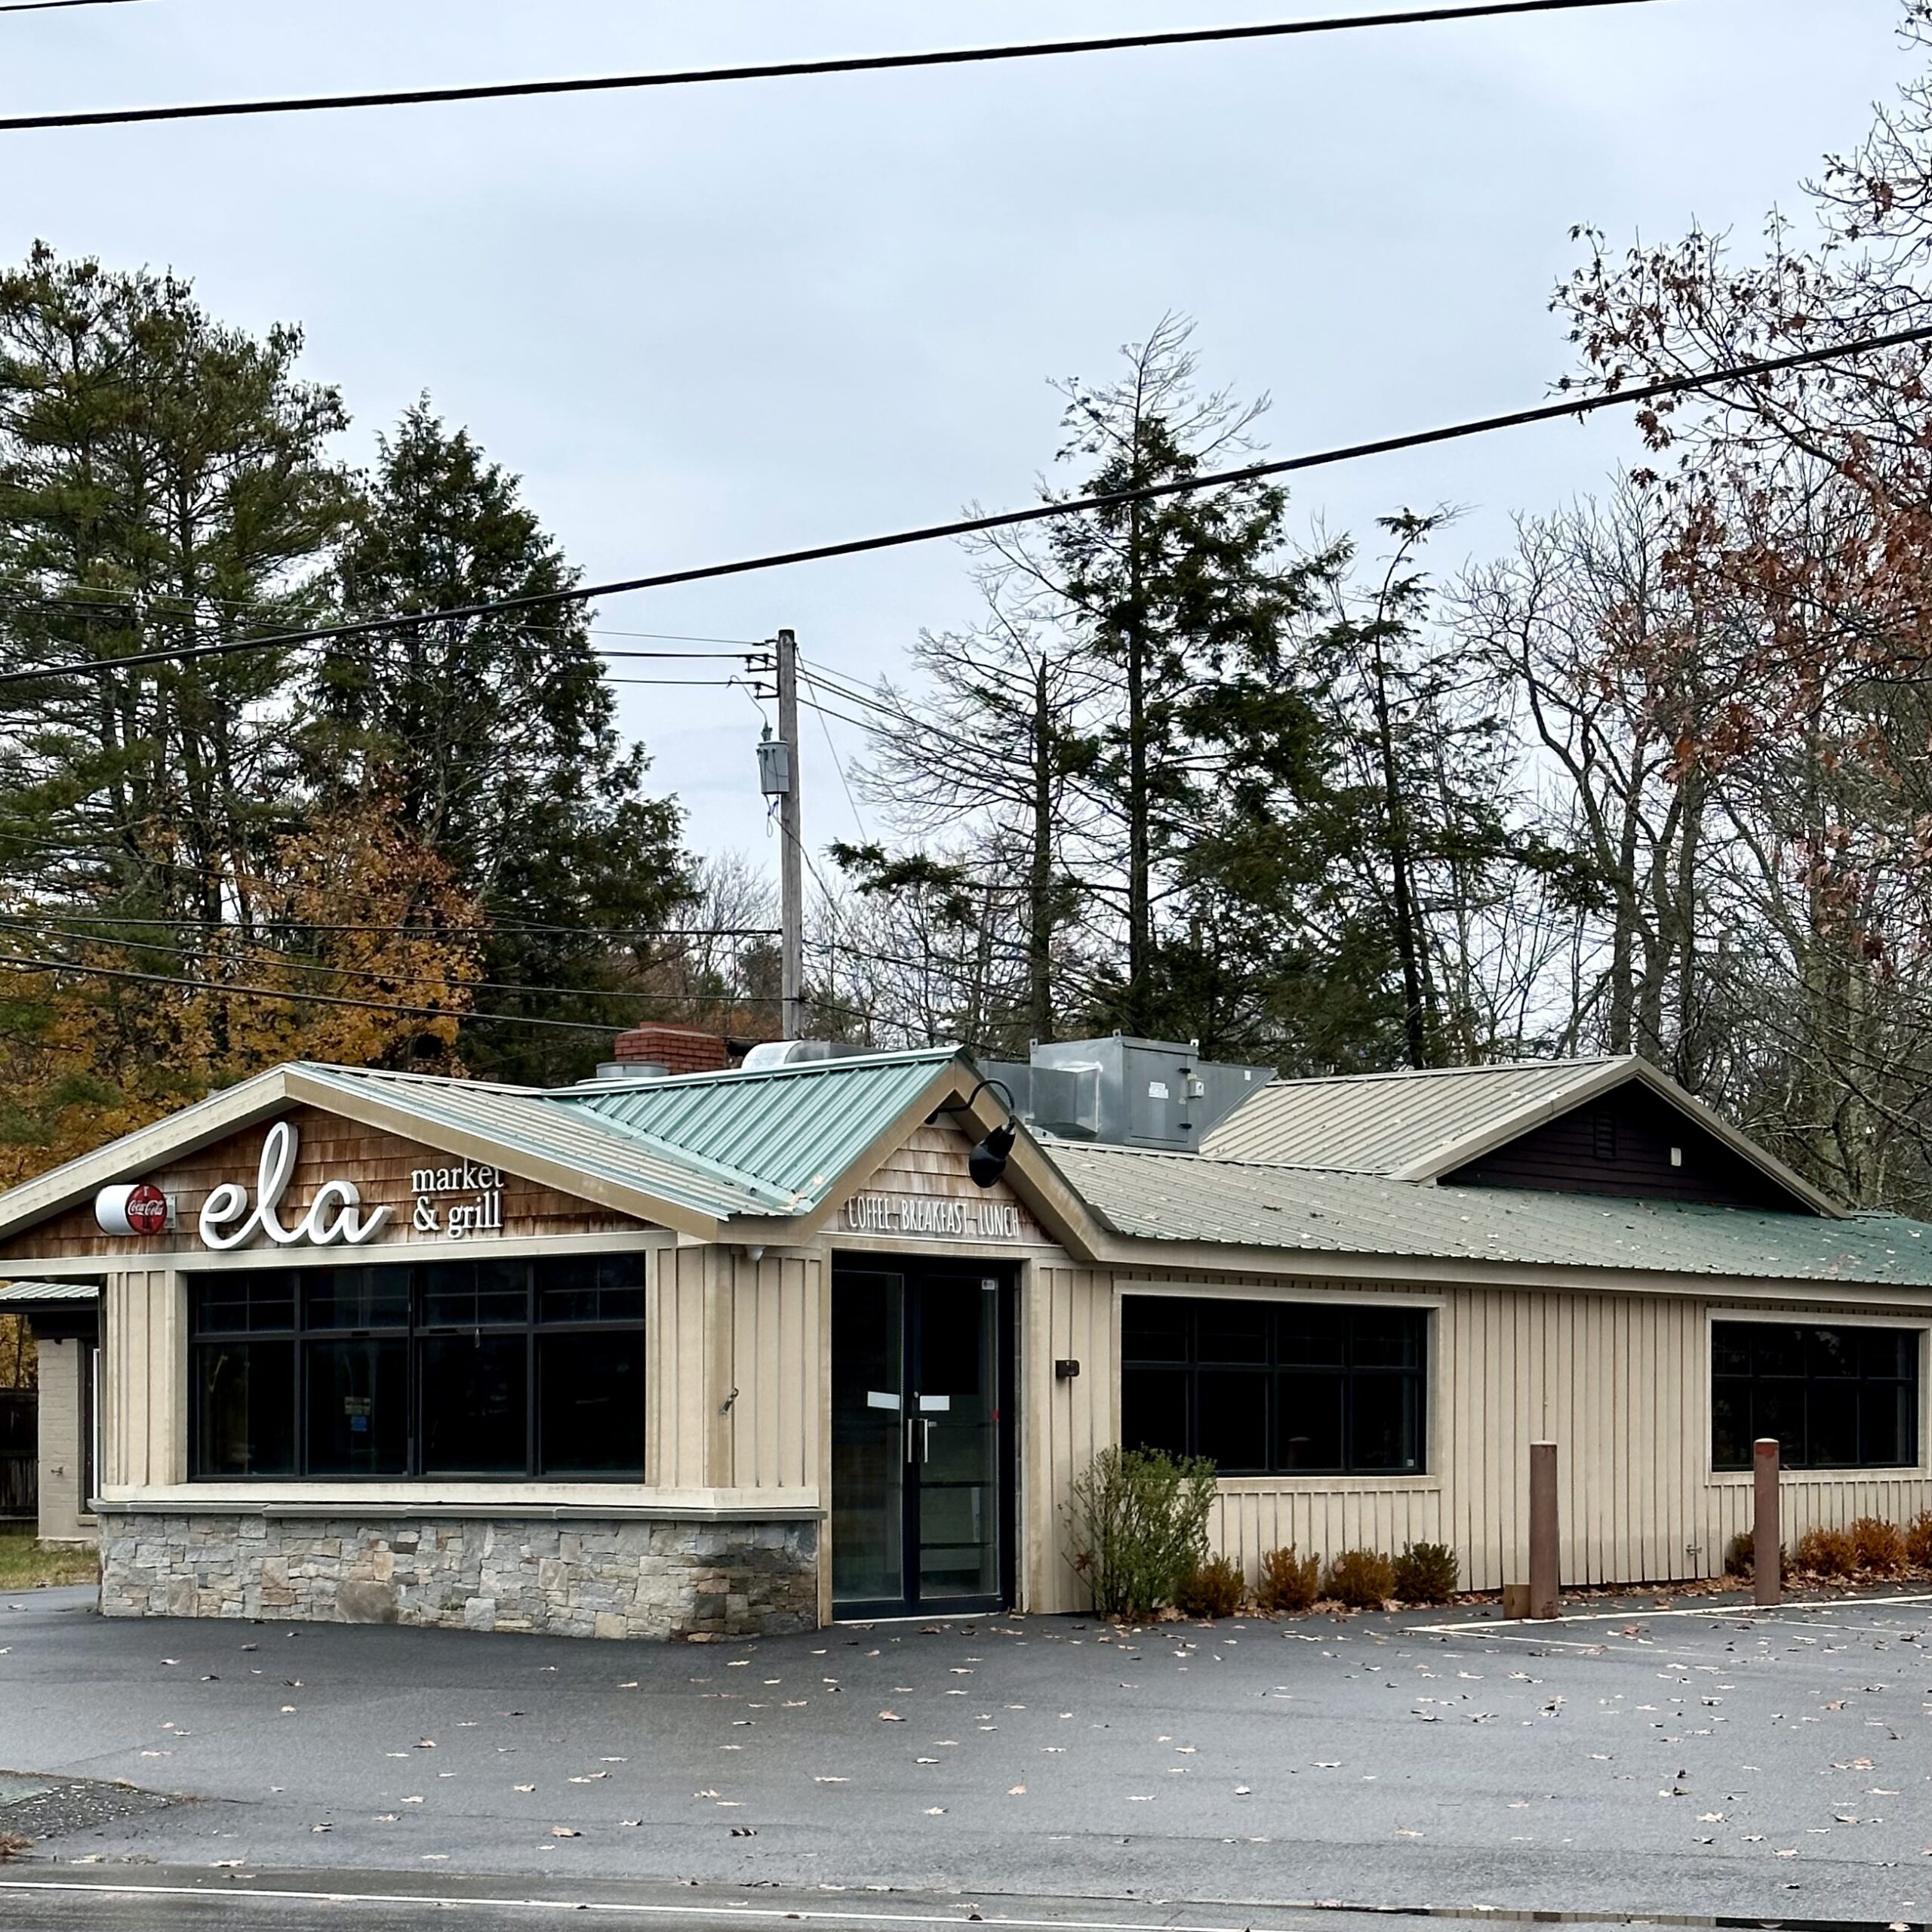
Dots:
pixel 928 1214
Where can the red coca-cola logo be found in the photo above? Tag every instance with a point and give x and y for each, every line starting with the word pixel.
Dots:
pixel 147 1210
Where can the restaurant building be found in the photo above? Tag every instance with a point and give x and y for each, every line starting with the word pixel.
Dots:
pixel 720 1352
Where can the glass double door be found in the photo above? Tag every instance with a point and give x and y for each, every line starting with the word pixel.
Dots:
pixel 921 1460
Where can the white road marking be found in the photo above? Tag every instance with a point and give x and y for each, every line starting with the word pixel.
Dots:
pixel 1749 1613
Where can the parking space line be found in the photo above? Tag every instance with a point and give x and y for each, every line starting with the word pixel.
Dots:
pixel 1745 1612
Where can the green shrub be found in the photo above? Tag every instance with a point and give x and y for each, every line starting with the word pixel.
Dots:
pixel 1216 1589
pixel 1426 1573
pixel 1827 1553
pixel 1740 1553
pixel 1919 1540
pixel 1290 1583
pixel 1362 1579
pixel 1878 1546
pixel 1139 1522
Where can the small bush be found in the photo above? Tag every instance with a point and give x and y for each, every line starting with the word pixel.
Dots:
pixel 12 1845
pixel 1426 1573
pixel 1878 1546
pixel 1290 1583
pixel 1140 1521
pixel 1827 1553
pixel 1216 1589
pixel 1362 1579
pixel 1919 1540
pixel 1740 1553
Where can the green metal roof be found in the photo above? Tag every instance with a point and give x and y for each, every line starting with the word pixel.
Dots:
pixel 526 1119
pixel 1196 1198
pixel 790 1130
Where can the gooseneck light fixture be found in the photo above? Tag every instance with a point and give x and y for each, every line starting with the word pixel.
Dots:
pixel 987 1161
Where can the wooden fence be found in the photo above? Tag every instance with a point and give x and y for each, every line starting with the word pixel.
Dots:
pixel 19 1457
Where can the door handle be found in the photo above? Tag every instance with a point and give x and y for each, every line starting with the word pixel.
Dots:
pixel 925 1425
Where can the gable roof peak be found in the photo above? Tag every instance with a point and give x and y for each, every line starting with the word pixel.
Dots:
pixel 1424 1124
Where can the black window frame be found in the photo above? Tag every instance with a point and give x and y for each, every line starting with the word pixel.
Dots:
pixel 1277 1360
pixel 1762 1391
pixel 557 1301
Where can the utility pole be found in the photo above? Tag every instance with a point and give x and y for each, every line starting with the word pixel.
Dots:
pixel 792 858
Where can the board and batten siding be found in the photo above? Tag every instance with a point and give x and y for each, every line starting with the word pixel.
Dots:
pixel 64 1516
pixel 733 1368
pixel 1619 1381
pixel 144 1378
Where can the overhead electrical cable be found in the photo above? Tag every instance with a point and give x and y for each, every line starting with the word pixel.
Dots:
pixel 899 540
pixel 501 931
pixel 783 70
pixel 11 963
pixel 269 955
pixel 55 6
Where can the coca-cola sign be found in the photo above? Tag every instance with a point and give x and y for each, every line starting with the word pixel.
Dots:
pixel 139 1209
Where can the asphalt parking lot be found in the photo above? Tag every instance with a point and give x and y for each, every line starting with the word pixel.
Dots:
pixel 1701 1761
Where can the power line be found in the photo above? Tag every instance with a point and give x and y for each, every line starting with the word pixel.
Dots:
pixel 872 63
pixel 514 931
pixel 11 963
pixel 1581 406
pixel 32 929
pixel 51 6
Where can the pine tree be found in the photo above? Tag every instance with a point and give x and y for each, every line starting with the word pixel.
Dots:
pixel 498 736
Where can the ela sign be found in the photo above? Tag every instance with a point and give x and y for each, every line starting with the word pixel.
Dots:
pixel 335 1215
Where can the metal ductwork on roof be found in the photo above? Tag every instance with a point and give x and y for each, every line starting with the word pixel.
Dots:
pixel 1126 1092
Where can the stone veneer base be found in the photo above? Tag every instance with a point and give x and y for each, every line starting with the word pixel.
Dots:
pixel 579 1579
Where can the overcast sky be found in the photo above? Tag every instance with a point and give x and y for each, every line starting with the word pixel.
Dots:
pixel 727 320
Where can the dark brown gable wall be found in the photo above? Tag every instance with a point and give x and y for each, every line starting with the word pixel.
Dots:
pixel 1621 1145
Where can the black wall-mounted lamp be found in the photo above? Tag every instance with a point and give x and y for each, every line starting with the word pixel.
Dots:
pixel 987 1161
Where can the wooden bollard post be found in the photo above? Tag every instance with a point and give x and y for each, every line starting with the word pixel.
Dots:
pixel 1545 1583
pixel 1767 1537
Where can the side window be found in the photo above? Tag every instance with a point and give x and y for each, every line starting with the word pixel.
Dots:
pixel 1834 1399
pixel 1268 1387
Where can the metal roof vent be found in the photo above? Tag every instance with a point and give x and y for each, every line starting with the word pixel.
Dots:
pixel 769 1054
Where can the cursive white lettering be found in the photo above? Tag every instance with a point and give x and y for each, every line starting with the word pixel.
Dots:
pixel 226 1223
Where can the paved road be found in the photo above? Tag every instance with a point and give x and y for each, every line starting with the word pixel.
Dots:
pixel 1682 1763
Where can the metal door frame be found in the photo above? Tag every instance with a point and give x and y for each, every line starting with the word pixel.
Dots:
pixel 918 1271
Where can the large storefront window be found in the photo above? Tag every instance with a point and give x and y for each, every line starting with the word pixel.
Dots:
pixel 1267 1388
pixel 1834 1399
pixel 484 1369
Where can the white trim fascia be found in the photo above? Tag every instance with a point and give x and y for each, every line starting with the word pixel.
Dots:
pixel 515 1247
pixel 171 1138
pixel 1154 1260
pixel 1043 1190
pixel 397 1501
pixel 1353 1293
pixel 387 1116
pixel 273 1091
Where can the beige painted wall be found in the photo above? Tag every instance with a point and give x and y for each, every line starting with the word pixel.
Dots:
pixel 735 1360
pixel 144 1378
pixel 1620 1382
pixel 63 1513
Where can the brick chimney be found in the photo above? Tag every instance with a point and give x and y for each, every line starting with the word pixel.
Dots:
pixel 676 1049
